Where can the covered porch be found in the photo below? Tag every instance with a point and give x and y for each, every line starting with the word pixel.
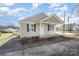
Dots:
pixel 48 26
pixel 47 30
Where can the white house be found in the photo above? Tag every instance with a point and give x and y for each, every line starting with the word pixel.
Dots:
pixel 76 27
pixel 9 30
pixel 70 27
pixel 39 24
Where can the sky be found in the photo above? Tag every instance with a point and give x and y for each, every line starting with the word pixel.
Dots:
pixel 11 13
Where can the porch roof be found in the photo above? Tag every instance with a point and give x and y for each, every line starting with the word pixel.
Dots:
pixel 53 19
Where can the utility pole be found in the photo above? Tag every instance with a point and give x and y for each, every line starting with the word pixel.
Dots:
pixel 68 22
pixel 64 23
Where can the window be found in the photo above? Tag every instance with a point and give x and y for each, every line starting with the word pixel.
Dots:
pixel 49 27
pixel 34 27
pixel 31 27
pixel 27 27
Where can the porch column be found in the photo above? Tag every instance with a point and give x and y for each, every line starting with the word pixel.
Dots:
pixel 40 28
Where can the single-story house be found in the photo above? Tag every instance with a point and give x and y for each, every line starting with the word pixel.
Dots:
pixel 9 30
pixel 70 27
pixel 39 25
pixel 76 27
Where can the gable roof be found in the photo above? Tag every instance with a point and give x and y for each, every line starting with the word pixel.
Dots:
pixel 35 18
pixel 42 17
pixel 52 19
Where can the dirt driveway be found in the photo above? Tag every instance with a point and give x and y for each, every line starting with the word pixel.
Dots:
pixel 67 48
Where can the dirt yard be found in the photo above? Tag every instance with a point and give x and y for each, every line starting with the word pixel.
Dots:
pixel 54 46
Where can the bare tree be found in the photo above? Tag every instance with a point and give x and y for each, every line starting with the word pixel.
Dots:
pixel 64 22
pixel 76 10
pixel 1 29
pixel 11 25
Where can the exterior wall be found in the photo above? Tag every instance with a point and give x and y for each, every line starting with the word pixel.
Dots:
pixel 44 29
pixel 24 33
pixel 41 29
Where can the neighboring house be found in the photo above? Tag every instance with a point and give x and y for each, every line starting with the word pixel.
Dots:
pixel 39 24
pixel 67 27
pixel 76 28
pixel 2 28
pixel 70 27
pixel 9 30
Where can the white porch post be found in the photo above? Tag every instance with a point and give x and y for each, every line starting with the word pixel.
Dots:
pixel 41 30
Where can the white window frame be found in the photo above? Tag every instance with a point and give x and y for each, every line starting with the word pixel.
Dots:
pixel 31 28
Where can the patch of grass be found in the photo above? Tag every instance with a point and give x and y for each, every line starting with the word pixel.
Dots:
pixel 5 35
pixel 72 32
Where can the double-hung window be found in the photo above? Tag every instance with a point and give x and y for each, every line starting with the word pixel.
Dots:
pixel 31 27
pixel 49 27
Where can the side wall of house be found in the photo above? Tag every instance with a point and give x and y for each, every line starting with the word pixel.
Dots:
pixel 24 33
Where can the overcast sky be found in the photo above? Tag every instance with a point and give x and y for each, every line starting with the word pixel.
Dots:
pixel 13 12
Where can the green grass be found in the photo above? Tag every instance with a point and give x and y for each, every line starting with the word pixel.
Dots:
pixel 5 35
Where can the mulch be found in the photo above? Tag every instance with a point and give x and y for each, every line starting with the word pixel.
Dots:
pixel 37 39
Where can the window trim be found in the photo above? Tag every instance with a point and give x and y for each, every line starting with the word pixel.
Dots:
pixel 27 27
pixel 49 27
pixel 32 27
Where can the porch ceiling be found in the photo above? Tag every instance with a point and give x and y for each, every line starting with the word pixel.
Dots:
pixel 52 19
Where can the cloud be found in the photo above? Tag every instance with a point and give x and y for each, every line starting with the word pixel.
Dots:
pixel 17 11
pixel 49 13
pixel 53 5
pixel 7 4
pixel 35 5
pixel 61 10
pixel 58 9
pixel 64 8
pixel 20 18
pixel 1 16
pixel 4 10
pixel 76 11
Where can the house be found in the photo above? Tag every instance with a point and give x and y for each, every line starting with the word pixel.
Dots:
pixel 76 27
pixel 70 27
pixel 39 25
pixel 9 30
pixel 2 28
